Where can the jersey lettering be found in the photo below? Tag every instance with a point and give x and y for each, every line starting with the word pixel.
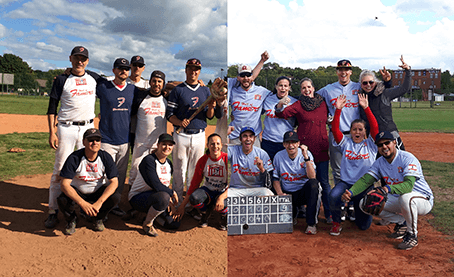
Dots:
pixel 237 106
pixel 76 92
pixel 270 114
pixel 390 181
pixel 292 177
pixel 195 100
pixel 121 101
pixel 243 170
pixel 349 103
pixel 356 156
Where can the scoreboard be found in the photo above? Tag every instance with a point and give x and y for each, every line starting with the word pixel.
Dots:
pixel 259 214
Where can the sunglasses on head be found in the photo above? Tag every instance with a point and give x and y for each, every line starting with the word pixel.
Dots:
pixel 368 82
pixel 383 143
pixel 139 65
pixel 245 74
pixel 94 139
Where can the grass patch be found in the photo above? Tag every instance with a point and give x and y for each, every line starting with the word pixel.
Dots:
pixel 424 120
pixel 38 157
pixel 440 176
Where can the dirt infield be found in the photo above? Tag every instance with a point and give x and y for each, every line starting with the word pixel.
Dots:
pixel 28 249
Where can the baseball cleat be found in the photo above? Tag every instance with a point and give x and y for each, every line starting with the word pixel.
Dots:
pixel 98 226
pixel 150 231
pixel 410 241
pixel 51 221
pixel 399 231
pixel 336 229
pixel 70 227
pixel 311 230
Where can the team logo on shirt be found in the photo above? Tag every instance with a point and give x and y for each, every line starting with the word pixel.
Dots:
pixel 349 103
pixel 257 97
pixel 81 82
pixel 355 92
pixel 390 181
pixel 91 167
pixel 412 167
pixel 350 155
pixel 195 100
pixel 400 169
pixel 215 170
pixel 156 105
pixel 163 170
pixel 240 106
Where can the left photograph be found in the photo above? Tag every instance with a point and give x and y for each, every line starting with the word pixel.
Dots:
pixel 114 131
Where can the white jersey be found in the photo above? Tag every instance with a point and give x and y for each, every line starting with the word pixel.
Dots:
pixel 78 98
pixel 351 110
pixel 142 83
pixel 357 158
pixel 245 174
pixel 404 164
pixel 291 173
pixel 275 127
pixel 246 106
pixel 151 120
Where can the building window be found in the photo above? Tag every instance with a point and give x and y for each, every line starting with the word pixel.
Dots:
pixel 416 83
pixel 419 73
pixel 412 73
pixel 424 73
pixel 396 76
pixel 431 75
pixel 436 75
pixel 424 82
pixel 400 76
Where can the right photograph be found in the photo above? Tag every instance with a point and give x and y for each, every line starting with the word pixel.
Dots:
pixel 334 140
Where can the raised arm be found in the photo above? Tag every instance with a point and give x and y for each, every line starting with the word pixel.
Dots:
pixel 364 103
pixel 255 72
pixel 340 104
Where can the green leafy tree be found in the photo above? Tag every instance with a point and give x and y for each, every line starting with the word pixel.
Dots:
pixel 50 76
pixel 10 63
pixel 446 80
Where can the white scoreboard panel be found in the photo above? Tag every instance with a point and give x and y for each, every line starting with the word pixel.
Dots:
pixel 259 215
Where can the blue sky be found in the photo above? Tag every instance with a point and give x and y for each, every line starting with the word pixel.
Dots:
pixel 165 33
pixel 371 33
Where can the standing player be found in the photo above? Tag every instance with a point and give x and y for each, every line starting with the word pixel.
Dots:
pixel 77 94
pixel 351 111
pixel 212 168
pixel 149 108
pixel 409 195
pixel 116 98
pixel 137 68
pixel 246 100
pixel 183 101
pixel 294 174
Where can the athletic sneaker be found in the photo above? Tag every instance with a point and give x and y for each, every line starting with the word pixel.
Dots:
pixel 399 231
pixel 410 241
pixel 195 214
pixel 351 213
pixel 329 220
pixel 71 227
pixel 311 230
pixel 51 221
pixel 223 223
pixel 150 231
pixel 336 229
pixel 343 213
pixel 98 226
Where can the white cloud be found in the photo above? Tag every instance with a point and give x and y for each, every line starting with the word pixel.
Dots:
pixel 47 47
pixel 319 33
pixel 439 7
pixel 3 31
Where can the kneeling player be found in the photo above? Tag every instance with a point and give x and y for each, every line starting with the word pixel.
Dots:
pixel 150 192
pixel 83 183
pixel 294 173
pixel 212 166
pixel 409 195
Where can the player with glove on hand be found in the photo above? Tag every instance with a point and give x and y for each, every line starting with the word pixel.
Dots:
pixel 409 195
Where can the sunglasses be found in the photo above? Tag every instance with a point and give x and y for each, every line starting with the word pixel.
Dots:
pixel 123 68
pixel 368 82
pixel 139 65
pixel 384 143
pixel 245 74
pixel 94 139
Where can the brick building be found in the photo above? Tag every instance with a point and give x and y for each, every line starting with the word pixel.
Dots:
pixel 426 80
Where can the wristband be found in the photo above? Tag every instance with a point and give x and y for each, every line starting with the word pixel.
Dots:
pixel 306 160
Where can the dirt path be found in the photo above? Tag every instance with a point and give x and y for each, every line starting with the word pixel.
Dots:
pixel 122 250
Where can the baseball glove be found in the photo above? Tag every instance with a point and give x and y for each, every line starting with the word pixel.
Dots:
pixel 219 89
pixel 374 201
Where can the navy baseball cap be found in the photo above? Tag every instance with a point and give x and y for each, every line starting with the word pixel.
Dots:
pixel 121 62
pixel 166 137
pixel 291 136
pixel 137 59
pixel 92 133
pixel 384 135
pixel 194 62
pixel 79 50
pixel 244 129
pixel 158 74
pixel 344 64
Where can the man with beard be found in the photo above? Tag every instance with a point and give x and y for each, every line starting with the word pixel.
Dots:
pixel 116 99
pixel 245 101
pixel 409 195
pixel 251 167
